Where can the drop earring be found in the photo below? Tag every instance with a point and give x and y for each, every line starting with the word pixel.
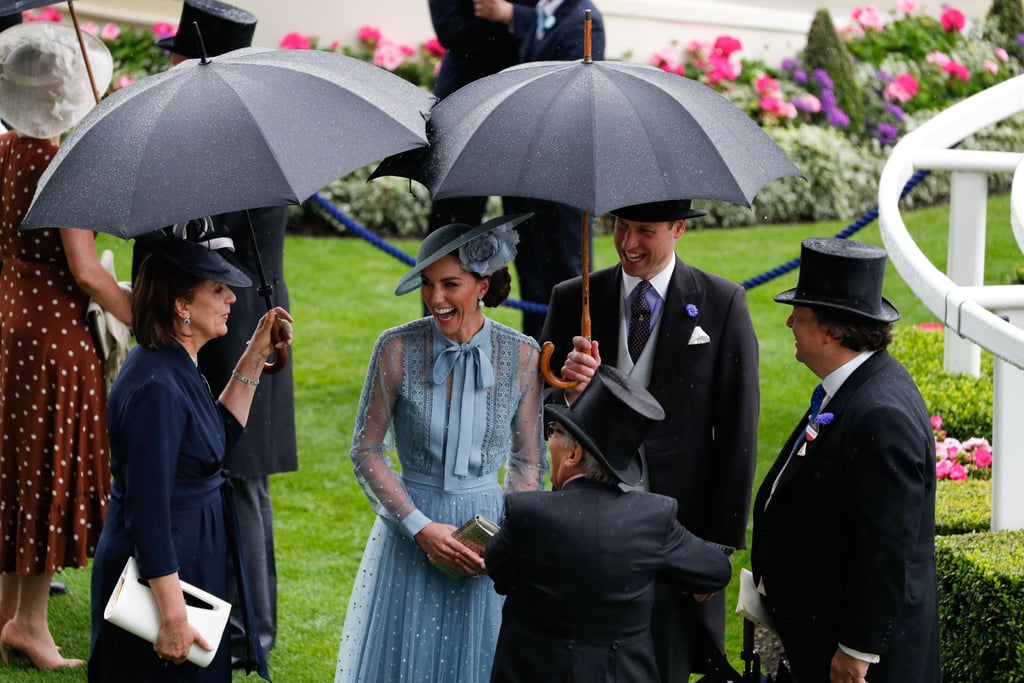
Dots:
pixel 480 302
pixel 188 321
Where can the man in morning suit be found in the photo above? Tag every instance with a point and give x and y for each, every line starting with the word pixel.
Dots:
pixel 578 565
pixel 697 355
pixel 844 522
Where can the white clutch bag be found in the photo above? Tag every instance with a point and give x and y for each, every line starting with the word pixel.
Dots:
pixel 133 607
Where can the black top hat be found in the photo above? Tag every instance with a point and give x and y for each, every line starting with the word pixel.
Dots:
pixel 842 275
pixel 9 20
pixel 445 240
pixel 657 212
pixel 197 259
pixel 224 28
pixel 610 419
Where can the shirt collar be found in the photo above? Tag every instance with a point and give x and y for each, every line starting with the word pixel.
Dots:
pixel 659 282
pixel 835 379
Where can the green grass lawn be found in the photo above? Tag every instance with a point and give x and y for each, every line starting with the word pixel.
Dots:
pixel 342 298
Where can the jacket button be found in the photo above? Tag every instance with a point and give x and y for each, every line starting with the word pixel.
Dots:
pixel 616 645
pixel 570 645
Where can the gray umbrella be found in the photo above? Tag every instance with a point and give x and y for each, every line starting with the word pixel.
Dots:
pixel 594 135
pixel 251 128
pixel 8 7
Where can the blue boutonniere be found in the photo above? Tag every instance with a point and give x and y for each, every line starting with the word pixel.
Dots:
pixel 815 425
pixel 692 310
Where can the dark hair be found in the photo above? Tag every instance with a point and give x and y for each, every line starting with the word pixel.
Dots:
pixel 855 332
pixel 501 285
pixel 157 286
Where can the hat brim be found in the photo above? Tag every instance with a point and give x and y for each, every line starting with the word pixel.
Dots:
pixel 200 261
pixel 631 475
pixel 887 314
pixel 411 280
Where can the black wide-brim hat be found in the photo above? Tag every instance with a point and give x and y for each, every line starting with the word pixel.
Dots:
pixel 842 275
pixel 198 260
pixel 224 28
pixel 446 240
pixel 611 418
pixel 658 212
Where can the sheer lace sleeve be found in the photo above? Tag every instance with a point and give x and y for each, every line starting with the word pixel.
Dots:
pixel 527 461
pixel 373 467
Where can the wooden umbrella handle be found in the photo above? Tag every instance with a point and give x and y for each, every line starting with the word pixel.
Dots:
pixel 549 348
pixel 280 355
pixel 85 52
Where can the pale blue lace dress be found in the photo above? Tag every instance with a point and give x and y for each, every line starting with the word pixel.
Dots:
pixel 406 620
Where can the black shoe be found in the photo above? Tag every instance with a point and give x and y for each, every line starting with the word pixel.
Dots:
pixel 58 588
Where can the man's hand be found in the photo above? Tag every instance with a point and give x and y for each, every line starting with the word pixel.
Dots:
pixel 847 669
pixel 580 366
pixel 499 11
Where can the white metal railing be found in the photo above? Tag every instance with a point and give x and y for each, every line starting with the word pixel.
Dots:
pixel 991 317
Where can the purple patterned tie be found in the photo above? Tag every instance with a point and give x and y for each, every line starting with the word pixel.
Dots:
pixel 639 320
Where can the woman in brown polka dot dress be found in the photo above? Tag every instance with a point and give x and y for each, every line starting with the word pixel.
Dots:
pixel 54 470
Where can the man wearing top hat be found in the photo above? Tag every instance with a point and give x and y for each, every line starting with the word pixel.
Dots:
pixel 844 523
pixel 268 445
pixel 579 564
pixel 697 354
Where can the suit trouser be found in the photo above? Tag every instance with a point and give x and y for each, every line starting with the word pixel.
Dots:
pixel 256 535
pixel 679 625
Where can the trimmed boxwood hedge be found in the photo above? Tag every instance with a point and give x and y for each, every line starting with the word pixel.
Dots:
pixel 963 507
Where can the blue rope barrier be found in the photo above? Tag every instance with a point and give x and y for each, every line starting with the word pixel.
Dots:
pixel 541 309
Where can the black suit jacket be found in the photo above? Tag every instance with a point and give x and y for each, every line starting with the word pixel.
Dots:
pixel 475 47
pixel 579 568
pixel 704 452
pixel 564 40
pixel 846 545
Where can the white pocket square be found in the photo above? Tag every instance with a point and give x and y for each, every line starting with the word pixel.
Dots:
pixel 699 336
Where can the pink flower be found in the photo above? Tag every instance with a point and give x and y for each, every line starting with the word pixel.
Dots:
pixel 983 457
pixel 808 103
pixel 720 69
pixel 434 47
pixel 868 17
pixel 110 32
pixel 47 14
pixel 90 28
pixel 936 422
pixel 952 20
pixel 957 472
pixel 665 59
pixel 699 47
pixel 335 45
pixel 123 82
pixel 939 59
pixel 953 448
pixel 389 55
pixel 777 107
pixel 991 67
pixel 942 468
pixel 908 6
pixel 975 443
pixel 727 45
pixel 766 84
pixel 295 41
pixel 163 29
pixel 957 69
pixel 901 89
pixel 935 327
pixel 1001 54
pixel 369 35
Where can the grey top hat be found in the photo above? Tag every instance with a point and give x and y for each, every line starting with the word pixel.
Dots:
pixel 197 259
pixel 657 212
pixel 224 28
pixel 44 86
pixel 447 240
pixel 841 275
pixel 611 418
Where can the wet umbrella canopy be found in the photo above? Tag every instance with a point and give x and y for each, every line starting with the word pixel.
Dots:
pixel 251 128
pixel 594 135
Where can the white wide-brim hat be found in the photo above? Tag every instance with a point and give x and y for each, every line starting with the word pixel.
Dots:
pixel 44 86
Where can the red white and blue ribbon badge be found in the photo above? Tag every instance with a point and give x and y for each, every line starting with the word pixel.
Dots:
pixel 815 425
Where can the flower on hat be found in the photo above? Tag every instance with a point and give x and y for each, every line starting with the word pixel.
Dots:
pixel 692 310
pixel 490 252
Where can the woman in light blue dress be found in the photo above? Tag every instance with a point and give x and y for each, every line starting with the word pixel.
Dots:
pixel 461 395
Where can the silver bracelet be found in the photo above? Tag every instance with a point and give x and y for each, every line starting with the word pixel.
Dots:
pixel 245 380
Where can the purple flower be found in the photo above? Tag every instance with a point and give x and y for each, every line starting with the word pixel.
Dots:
pixel 824 419
pixel 828 100
pixel 886 133
pixel 1020 39
pixel 837 117
pixel 823 79
pixel 884 76
pixel 800 76
pixel 896 111
pixel 789 64
pixel 692 310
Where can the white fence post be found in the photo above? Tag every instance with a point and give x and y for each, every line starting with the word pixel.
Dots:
pixel 1007 437
pixel 965 260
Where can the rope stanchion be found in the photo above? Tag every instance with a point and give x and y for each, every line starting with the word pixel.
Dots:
pixel 360 231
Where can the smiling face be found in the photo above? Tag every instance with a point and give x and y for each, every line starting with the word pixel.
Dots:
pixel 646 248
pixel 451 295
pixel 207 312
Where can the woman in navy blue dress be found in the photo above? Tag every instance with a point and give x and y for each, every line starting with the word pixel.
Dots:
pixel 168 437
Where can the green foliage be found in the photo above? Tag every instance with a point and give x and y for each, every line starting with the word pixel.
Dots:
pixel 981 606
pixel 963 402
pixel 825 50
pixel 911 37
pixel 136 55
pixel 389 206
pixel 1004 23
pixel 963 507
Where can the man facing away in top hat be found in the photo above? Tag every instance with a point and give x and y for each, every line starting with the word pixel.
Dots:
pixel 844 522
pixel 579 564
pixel 268 445
pixel 699 359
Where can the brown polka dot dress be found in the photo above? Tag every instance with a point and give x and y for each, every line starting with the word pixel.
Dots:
pixel 54 465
